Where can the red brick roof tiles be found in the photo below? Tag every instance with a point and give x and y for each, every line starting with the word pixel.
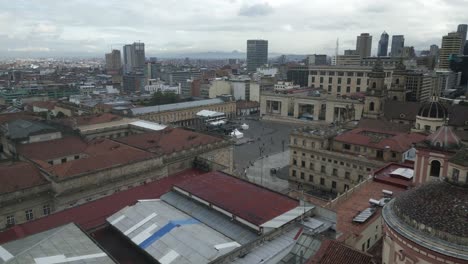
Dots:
pixel 49 105
pixel 53 149
pixel 168 140
pixel 333 252
pixel 14 116
pixel 397 141
pixel 18 176
pixel 243 199
pixel 90 119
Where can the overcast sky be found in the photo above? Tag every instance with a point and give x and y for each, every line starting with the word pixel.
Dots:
pixel 183 26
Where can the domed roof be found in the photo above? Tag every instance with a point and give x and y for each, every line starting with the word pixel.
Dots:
pixel 444 138
pixel 438 208
pixel 433 109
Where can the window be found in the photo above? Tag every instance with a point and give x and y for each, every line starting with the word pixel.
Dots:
pixel 46 209
pixel 324 159
pixel 334 184
pixel 322 181
pixel 347 175
pixel 294 162
pixel 341 163
pixel 64 160
pixel 335 172
pixel 357 148
pixel 311 178
pixel 323 73
pixel 29 215
pixel 340 73
pixel 368 243
pixel 346 187
pixel 354 166
pixel 77 157
pixel 360 74
pixel 302 175
pixel 304 142
pixel 435 168
pixel 358 81
pixel 339 80
pixel 295 141
pixel 332 73
pixel 348 81
pixel 294 173
pixel 350 74
pixel 329 88
pixel 322 169
pixel 455 174
pixel 358 89
pixel 321 79
pixel 313 78
pixel 363 248
pixel 338 89
pixel 303 154
pixel 312 156
pixel 393 154
pixel 51 162
pixel 10 220
pixel 371 106
pixel 427 128
pixel 374 85
pixel 303 164
pixel 311 166
pixel 360 178
pixel 330 79
pixel 329 160
pixel 379 154
pixel 348 89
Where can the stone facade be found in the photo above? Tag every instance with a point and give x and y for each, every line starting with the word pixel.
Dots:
pixel 318 163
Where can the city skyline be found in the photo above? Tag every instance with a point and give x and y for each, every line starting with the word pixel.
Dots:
pixel 42 29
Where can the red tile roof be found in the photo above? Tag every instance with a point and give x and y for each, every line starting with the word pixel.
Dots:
pixel 384 175
pixel 241 198
pixel 53 149
pixel 168 140
pixel 90 119
pixel 14 116
pixel 358 201
pixel 16 176
pixel 333 252
pixel 94 214
pixel 95 155
pixel 102 154
pixel 379 139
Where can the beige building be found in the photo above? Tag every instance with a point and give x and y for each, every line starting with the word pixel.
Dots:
pixel 333 160
pixel 339 80
pixel 182 113
pixel 219 87
pixel 451 44
pixel 306 107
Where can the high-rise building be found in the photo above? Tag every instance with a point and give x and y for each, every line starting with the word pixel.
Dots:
pixel 134 57
pixel 434 50
pixel 257 54
pixel 383 45
pixel 364 45
pixel 398 42
pixel 317 59
pixel 113 61
pixel 462 29
pixel 451 44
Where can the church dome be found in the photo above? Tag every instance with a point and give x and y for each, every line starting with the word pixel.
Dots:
pixel 433 109
pixel 437 208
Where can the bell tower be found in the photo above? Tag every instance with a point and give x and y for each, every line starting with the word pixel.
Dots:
pixel 397 91
pixel 376 92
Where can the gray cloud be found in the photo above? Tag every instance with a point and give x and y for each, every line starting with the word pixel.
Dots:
pixel 256 10
pixel 50 27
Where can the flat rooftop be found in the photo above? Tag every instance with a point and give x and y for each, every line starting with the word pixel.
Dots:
pixel 357 202
pixel 386 175
pixel 64 244
pixel 246 200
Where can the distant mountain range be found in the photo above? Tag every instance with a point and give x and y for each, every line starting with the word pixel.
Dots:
pixel 220 55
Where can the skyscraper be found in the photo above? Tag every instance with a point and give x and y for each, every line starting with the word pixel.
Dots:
pixel 383 45
pixel 113 61
pixel 257 54
pixel 134 57
pixel 434 50
pixel 462 29
pixel 451 44
pixel 398 42
pixel 364 45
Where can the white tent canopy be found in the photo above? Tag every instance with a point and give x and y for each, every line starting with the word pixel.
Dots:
pixel 237 134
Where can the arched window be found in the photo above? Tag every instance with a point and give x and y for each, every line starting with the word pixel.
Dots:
pixel 371 106
pixel 397 81
pixel 435 168
pixel 374 85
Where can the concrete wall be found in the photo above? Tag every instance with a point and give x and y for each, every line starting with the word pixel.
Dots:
pixel 219 87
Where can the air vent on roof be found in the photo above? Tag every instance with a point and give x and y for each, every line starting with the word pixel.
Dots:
pixel 387 193
pixel 374 202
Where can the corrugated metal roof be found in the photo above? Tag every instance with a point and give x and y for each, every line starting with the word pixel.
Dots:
pixel 177 106
pixel 169 235
pixel 66 243
pixel 251 202
pixel 212 218
pixel 287 217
